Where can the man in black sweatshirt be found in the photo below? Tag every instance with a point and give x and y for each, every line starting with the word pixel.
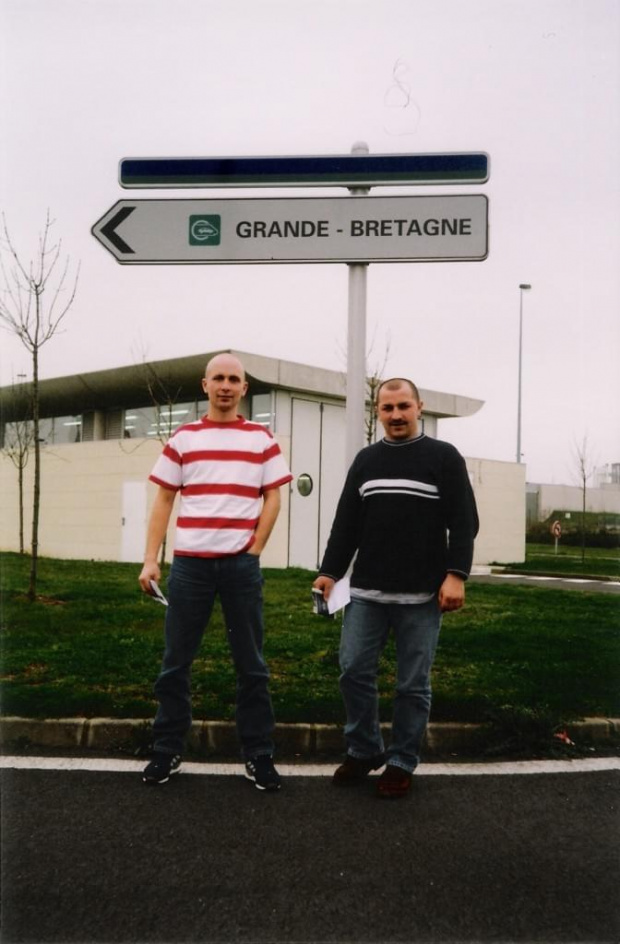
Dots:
pixel 408 513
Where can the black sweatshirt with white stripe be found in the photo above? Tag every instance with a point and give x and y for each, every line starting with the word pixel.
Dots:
pixel 409 511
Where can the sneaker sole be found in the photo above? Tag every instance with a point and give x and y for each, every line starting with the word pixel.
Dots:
pixel 157 783
pixel 271 789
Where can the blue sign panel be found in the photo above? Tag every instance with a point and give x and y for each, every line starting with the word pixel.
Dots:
pixel 347 170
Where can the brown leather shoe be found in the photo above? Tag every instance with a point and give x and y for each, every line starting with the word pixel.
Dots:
pixel 356 769
pixel 394 783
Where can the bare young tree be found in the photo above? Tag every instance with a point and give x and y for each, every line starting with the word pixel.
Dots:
pixel 17 444
pixel 373 382
pixel 164 396
pixel 374 379
pixel 35 298
pixel 584 467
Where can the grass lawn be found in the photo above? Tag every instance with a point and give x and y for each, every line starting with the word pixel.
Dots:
pixel 91 646
pixel 598 561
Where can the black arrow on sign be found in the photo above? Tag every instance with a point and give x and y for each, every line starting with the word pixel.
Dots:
pixel 109 230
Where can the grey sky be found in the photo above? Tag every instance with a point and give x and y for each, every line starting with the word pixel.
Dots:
pixel 534 83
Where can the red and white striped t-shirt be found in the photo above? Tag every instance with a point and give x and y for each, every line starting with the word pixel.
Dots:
pixel 221 470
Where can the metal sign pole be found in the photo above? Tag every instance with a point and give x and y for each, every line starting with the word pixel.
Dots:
pixel 356 343
pixel 304 230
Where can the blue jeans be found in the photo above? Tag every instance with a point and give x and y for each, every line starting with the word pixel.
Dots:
pixel 193 585
pixel 365 632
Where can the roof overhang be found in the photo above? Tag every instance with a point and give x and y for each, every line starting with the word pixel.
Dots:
pixel 124 387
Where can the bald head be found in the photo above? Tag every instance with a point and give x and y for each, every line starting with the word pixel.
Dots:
pixel 224 384
pixel 227 362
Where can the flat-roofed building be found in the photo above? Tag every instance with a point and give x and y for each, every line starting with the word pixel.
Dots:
pixel 102 431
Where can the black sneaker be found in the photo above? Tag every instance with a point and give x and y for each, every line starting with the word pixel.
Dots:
pixel 262 773
pixel 161 767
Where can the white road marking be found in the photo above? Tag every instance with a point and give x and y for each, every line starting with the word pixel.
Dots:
pixel 117 765
pixel 547 577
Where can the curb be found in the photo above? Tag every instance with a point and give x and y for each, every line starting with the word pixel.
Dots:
pixel 210 738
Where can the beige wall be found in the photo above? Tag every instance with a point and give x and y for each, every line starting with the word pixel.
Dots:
pixel 82 500
pixel 499 488
pixel 570 498
pixel 81 497
pixel 82 503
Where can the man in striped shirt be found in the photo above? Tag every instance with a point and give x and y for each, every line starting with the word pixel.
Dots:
pixel 228 472
pixel 408 513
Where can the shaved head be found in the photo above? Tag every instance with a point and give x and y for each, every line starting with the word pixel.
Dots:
pixel 225 362
pixel 224 384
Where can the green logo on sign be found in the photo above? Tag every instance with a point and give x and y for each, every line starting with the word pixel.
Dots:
pixel 204 230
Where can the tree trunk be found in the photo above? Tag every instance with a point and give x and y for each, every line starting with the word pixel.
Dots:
pixel 20 477
pixel 583 523
pixel 36 498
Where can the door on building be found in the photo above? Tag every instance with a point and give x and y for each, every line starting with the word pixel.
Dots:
pixel 318 468
pixel 133 531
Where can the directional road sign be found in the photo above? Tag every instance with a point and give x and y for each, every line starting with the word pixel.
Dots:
pixel 343 170
pixel 446 228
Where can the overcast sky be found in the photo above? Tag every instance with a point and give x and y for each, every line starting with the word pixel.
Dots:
pixel 534 83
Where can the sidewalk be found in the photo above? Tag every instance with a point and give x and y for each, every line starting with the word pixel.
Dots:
pixel 219 739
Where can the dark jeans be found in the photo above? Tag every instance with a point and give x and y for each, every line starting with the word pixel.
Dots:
pixel 193 586
pixel 365 631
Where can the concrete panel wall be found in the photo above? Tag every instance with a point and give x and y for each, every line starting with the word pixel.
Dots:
pixel 81 497
pixel 570 498
pixel 499 488
pixel 82 502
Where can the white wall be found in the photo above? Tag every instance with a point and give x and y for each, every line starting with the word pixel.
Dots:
pixel 570 498
pixel 81 497
pixel 82 489
pixel 499 488
pixel 83 484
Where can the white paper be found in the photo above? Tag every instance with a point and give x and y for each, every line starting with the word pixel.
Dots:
pixel 157 594
pixel 340 595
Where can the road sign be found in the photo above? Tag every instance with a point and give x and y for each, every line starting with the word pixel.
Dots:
pixel 447 228
pixel 343 170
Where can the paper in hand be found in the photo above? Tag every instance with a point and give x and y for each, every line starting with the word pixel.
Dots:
pixel 338 598
pixel 157 594
pixel 340 595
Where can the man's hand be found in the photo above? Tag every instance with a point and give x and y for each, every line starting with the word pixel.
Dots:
pixel 452 593
pixel 150 571
pixel 325 585
pixel 158 525
pixel 266 521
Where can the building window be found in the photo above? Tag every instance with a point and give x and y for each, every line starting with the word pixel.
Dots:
pixel 54 430
pixel 46 430
pixel 262 410
pixel 16 437
pixel 158 422
pixel 67 429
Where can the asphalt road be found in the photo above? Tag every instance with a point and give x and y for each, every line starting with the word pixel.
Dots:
pixel 100 857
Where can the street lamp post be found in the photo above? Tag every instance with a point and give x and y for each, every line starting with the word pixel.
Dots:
pixel 523 287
